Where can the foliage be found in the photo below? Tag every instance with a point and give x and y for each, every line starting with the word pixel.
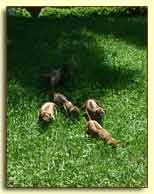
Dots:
pixel 17 11
pixel 89 11
pixel 80 11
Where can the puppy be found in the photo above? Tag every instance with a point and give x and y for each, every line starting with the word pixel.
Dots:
pixel 59 99
pixel 52 79
pixel 94 128
pixel 93 110
pixel 57 76
pixel 71 109
pixel 62 100
pixel 46 112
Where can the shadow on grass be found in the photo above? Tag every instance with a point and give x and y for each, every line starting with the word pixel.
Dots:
pixel 40 44
pixel 42 126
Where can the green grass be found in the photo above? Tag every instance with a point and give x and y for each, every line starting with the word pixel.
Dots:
pixel 109 60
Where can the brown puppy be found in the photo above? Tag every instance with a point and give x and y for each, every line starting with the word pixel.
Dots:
pixel 93 110
pixel 46 112
pixel 52 78
pixel 71 109
pixel 57 76
pixel 61 100
pixel 95 128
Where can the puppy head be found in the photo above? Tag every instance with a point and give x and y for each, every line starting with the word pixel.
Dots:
pixel 45 116
pixel 112 142
pixel 74 111
pixel 100 112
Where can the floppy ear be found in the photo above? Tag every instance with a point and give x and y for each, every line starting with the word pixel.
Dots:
pixel 100 111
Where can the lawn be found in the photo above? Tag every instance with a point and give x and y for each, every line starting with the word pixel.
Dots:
pixel 109 61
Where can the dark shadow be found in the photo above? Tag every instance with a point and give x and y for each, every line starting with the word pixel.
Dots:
pixel 43 127
pixel 130 29
pixel 40 44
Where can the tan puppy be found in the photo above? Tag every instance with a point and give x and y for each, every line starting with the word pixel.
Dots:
pixel 61 100
pixel 95 128
pixel 71 109
pixel 93 110
pixel 46 112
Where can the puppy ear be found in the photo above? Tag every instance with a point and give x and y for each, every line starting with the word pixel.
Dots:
pixel 98 110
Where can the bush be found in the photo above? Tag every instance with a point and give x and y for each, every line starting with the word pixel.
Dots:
pixel 13 11
pixel 80 11
pixel 88 11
